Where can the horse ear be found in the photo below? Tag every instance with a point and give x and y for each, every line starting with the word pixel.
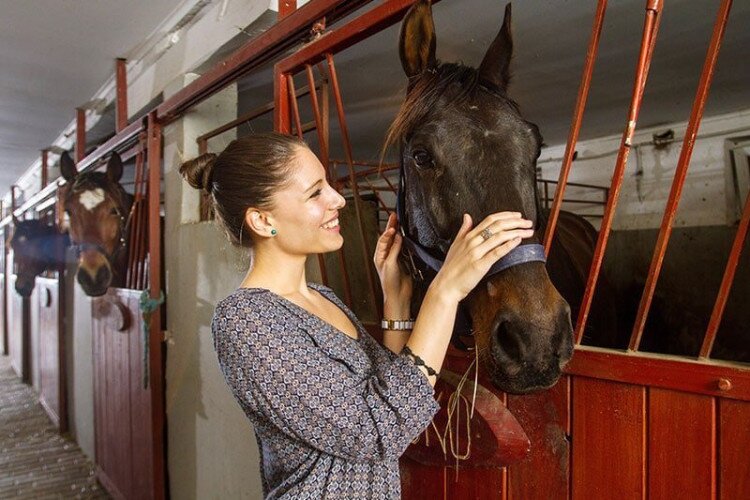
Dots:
pixel 495 67
pixel 417 39
pixel 114 167
pixel 67 167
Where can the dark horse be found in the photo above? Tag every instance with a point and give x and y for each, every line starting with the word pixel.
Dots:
pixel 466 148
pixel 99 209
pixel 37 247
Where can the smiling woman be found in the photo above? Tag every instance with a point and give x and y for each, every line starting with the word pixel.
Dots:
pixel 332 409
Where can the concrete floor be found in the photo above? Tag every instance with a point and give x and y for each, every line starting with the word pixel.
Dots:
pixel 35 460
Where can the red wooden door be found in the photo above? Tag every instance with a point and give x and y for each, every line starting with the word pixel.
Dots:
pixel 52 394
pixel 125 446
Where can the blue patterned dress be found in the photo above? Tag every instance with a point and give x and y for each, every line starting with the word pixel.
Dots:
pixel 332 414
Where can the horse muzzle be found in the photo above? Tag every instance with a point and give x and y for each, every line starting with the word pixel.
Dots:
pixel 94 272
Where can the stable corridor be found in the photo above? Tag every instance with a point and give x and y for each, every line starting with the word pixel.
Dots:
pixel 35 461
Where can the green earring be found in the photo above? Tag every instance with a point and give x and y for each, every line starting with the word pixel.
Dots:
pixel 273 232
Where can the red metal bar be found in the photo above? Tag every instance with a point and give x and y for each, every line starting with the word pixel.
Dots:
pixel 322 139
pixel 281 118
pixel 575 128
pixel 650 28
pixel 263 48
pixel 726 282
pixel 134 228
pixel 155 344
pixel 286 7
pixel 80 134
pixel 367 24
pixel 367 251
pixel 121 104
pixel 670 211
pixel 295 107
pixel 45 168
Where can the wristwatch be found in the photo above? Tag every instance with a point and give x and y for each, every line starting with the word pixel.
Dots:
pixel 397 324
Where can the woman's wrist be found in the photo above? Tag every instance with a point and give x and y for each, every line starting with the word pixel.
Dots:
pixel 396 309
pixel 443 293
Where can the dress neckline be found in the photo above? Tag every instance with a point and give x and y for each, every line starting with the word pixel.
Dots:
pixel 304 311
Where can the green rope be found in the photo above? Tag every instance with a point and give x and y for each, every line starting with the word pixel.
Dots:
pixel 148 306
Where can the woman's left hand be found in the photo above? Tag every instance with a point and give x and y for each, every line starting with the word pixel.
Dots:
pixel 397 285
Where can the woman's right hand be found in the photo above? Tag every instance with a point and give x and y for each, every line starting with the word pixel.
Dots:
pixel 470 256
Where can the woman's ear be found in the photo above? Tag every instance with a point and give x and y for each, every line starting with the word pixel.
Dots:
pixel 259 222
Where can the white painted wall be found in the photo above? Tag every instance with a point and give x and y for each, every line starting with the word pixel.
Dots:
pixel 708 197
pixel 212 450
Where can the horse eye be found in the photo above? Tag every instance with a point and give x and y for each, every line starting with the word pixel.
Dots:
pixel 422 158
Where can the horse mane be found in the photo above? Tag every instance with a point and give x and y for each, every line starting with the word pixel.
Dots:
pixel 425 90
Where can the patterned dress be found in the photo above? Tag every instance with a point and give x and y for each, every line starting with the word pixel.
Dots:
pixel 332 414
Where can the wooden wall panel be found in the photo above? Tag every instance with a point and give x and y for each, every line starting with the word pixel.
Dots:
pixel 608 430
pixel 544 418
pixel 734 449
pixel 422 481
pixel 123 406
pixel 681 445
pixel 475 483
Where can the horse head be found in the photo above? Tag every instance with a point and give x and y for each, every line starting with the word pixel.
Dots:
pixel 466 148
pixel 37 247
pixel 98 208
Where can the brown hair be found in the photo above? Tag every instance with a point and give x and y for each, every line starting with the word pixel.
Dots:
pixel 244 175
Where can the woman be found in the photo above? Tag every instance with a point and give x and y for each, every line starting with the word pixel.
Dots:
pixel 332 409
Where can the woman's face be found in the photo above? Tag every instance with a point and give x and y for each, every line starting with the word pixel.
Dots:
pixel 306 211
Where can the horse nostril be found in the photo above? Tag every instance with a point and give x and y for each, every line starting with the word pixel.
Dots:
pixel 102 276
pixel 509 341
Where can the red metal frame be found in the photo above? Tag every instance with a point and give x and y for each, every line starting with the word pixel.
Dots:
pixel 683 163
pixel 284 34
pixel 575 128
pixel 154 138
pixel 80 150
pixel 45 170
pixel 650 29
pixel 121 101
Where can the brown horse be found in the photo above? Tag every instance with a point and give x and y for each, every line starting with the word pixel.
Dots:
pixel 99 209
pixel 37 247
pixel 466 148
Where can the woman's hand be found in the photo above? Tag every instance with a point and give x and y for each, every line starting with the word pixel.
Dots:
pixel 471 255
pixel 397 285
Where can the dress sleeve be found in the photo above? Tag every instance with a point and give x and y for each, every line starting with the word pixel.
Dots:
pixel 278 371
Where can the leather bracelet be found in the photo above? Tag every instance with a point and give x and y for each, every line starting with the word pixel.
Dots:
pixel 418 361
pixel 397 324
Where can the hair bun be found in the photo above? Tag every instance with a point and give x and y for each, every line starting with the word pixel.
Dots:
pixel 197 172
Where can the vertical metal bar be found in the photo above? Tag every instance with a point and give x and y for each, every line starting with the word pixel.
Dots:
pixel 121 105
pixel 670 211
pixel 155 341
pixel 366 250
pixel 45 168
pixel 322 138
pixel 575 128
pixel 141 221
pixel 80 134
pixel 726 282
pixel 650 28
pixel 295 107
pixel 325 109
pixel 5 280
pixel 134 229
pixel 281 122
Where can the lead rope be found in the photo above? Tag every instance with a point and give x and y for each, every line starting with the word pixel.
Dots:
pixel 453 407
pixel 147 306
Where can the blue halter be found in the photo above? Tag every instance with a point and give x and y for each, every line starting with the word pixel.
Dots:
pixel 421 259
